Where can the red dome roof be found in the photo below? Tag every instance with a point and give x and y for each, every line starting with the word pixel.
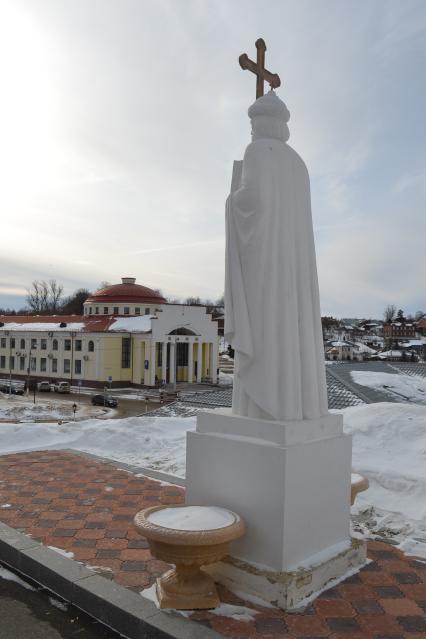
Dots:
pixel 128 291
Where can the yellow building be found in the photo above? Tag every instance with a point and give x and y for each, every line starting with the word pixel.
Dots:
pixel 128 335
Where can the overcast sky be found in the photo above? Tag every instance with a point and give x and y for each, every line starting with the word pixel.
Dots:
pixel 120 120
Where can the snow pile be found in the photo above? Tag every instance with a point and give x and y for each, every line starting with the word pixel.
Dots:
pixel 155 442
pixel 389 448
pixel 409 387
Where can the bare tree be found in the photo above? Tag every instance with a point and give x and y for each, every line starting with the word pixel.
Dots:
pixel 192 301
pixel 55 292
pixel 73 305
pixel 103 284
pixel 389 313
pixel 44 297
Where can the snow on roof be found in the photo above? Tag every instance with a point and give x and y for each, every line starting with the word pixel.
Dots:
pixel 78 323
pixel 414 342
pixel 43 326
pixel 340 343
pixel 390 354
pixel 363 348
pixel 141 324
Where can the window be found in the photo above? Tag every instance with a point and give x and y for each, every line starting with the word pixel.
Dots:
pixel 77 344
pixel 3 361
pixel 55 345
pixel 125 352
pixel 3 342
pixel 43 344
pixel 67 365
pixel 115 310
pixel 159 354
pixel 77 366
pixel 54 365
pixel 97 310
pixel 22 363
pixel 147 311
pixel 90 310
pixel 33 364
pixel 105 310
pixel 22 342
pixel 67 345
pixel 33 343
pixel 43 365
pixel 137 310
pixel 12 342
pixel 11 362
pixel 91 347
pixel 126 310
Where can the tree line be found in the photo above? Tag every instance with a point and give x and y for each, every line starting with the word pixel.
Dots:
pixel 46 297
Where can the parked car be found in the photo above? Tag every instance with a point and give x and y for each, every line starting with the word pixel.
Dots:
pixel 14 388
pixel 44 387
pixel 62 387
pixel 104 400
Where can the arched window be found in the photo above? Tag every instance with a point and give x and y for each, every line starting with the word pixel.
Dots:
pixel 182 331
pixel 91 347
pixel 55 345
pixel 22 344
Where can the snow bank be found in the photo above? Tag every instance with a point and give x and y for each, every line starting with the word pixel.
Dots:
pixel 389 448
pixel 155 442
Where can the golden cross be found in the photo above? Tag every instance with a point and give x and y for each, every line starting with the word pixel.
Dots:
pixel 258 68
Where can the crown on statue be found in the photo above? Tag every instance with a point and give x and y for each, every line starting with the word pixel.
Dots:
pixel 269 105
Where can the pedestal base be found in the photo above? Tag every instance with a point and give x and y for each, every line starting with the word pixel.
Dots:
pixel 197 592
pixel 289 590
pixel 290 482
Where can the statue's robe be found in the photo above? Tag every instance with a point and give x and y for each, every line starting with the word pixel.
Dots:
pixel 272 311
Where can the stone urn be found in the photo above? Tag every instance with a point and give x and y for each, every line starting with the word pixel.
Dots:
pixel 188 537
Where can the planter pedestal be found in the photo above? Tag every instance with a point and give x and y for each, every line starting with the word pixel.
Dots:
pixel 186 587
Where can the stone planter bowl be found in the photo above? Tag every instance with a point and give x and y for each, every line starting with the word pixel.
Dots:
pixel 358 484
pixel 186 587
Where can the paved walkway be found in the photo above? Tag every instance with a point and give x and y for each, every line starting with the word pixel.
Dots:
pixel 79 504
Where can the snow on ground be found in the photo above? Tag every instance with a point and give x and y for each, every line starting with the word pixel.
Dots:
pixel 20 408
pixel 409 387
pixel 389 448
pixel 155 442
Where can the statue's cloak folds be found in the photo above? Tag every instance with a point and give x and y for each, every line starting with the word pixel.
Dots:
pixel 272 311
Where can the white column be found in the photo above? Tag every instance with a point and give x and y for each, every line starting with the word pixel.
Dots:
pixel 213 361
pixel 199 361
pixel 152 363
pixel 164 361
pixel 190 362
pixel 172 364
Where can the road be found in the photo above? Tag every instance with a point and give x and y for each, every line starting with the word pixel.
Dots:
pixel 126 407
pixel 29 614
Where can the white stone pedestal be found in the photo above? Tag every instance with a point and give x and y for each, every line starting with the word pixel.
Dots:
pixel 290 481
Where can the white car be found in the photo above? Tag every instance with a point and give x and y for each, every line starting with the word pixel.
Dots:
pixel 62 387
pixel 44 386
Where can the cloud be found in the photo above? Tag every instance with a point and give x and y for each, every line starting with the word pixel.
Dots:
pixel 148 109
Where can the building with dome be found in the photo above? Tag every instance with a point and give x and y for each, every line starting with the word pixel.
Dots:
pixel 128 335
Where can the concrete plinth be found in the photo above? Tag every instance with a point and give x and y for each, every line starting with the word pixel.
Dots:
pixel 294 589
pixel 290 481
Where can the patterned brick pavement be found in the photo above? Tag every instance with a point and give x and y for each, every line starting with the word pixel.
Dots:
pixel 83 505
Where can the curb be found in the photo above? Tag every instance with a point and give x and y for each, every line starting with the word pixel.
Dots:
pixel 122 610
pixel 147 472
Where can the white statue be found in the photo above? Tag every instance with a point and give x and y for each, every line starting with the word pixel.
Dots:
pixel 272 312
